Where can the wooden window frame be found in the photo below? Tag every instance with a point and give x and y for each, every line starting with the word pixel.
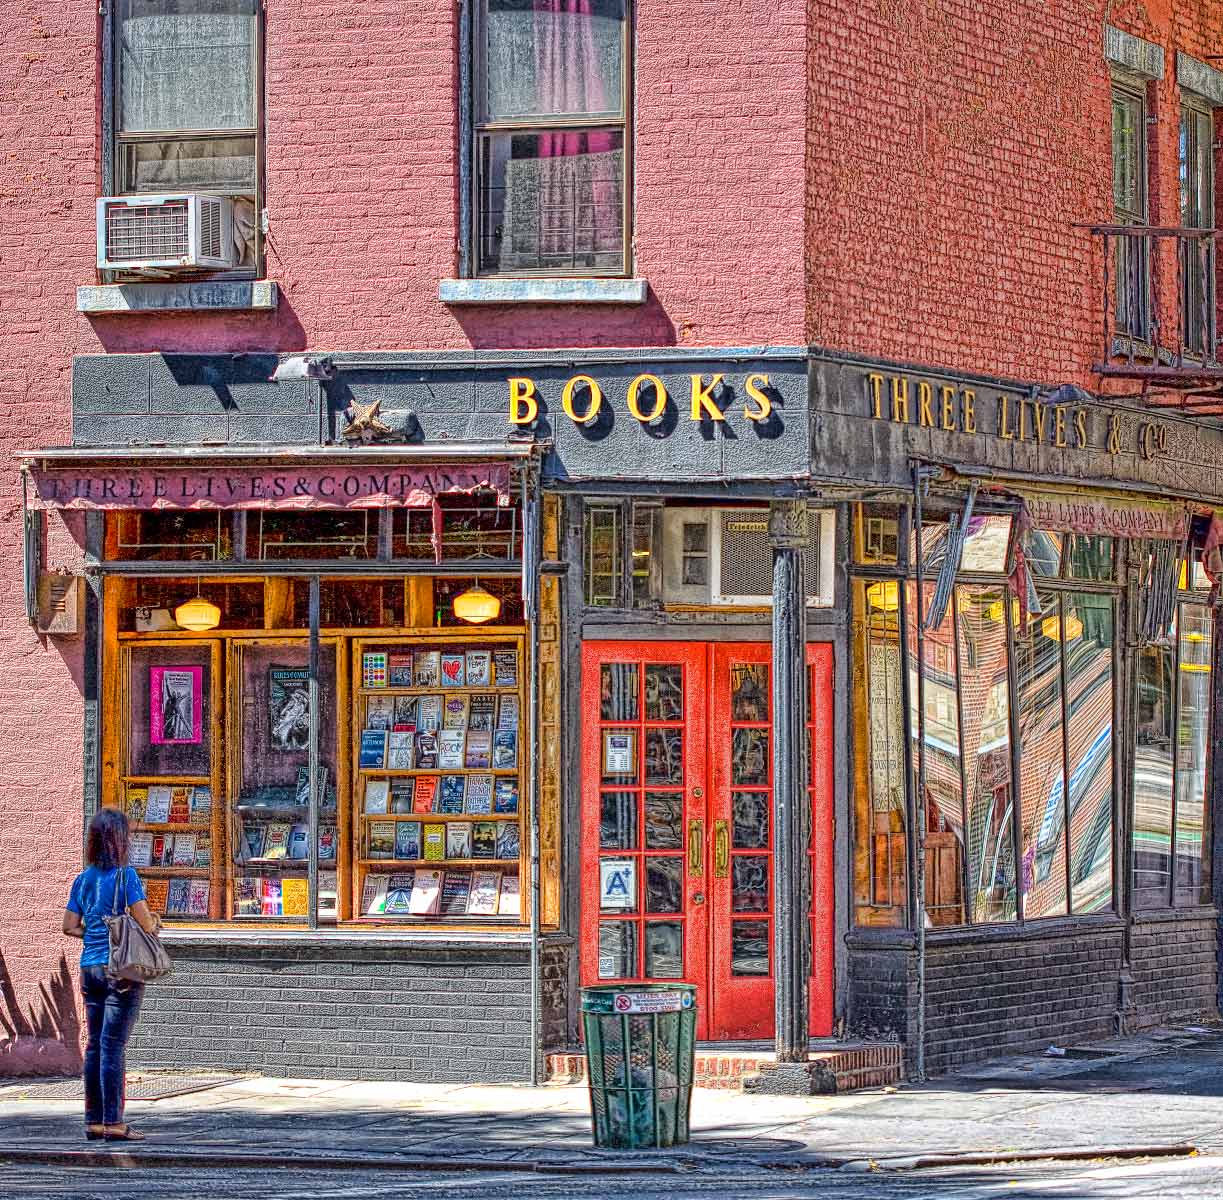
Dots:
pixel 1140 324
pixel 115 141
pixel 481 128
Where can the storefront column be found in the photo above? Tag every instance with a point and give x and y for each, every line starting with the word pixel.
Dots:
pixel 788 538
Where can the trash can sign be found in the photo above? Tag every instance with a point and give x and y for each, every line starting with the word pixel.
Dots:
pixel 651 1002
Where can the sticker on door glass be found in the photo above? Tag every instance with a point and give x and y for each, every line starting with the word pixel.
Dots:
pixel 617 885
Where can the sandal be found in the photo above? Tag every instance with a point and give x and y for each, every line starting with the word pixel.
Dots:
pixel 94 1133
pixel 122 1133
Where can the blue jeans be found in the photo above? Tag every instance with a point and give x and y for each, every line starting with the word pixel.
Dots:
pixel 110 1010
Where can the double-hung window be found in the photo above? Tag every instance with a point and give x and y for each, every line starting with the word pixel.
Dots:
pixel 1197 212
pixel 185 104
pixel 1130 208
pixel 551 137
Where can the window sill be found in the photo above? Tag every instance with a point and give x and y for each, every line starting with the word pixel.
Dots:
pixel 214 295
pixel 542 291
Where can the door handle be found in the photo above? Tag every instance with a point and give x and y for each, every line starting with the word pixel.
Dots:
pixel 721 849
pixel 696 848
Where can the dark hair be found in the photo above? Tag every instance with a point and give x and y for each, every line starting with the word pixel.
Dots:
pixel 107 843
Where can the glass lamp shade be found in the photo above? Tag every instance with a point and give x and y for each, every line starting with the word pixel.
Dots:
pixel 476 606
pixel 197 615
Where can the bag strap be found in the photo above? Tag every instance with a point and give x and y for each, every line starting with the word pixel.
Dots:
pixel 114 908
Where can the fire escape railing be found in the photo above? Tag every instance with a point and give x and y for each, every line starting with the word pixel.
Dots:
pixel 1150 332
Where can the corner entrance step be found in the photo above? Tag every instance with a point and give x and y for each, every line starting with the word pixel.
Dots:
pixel 832 1067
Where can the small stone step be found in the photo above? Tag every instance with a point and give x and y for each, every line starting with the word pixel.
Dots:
pixel 839 1069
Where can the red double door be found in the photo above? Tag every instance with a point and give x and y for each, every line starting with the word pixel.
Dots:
pixel 677 826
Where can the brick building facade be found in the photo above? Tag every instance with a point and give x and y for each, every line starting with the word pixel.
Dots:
pixel 818 195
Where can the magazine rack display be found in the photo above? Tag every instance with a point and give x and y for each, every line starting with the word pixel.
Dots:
pixel 268 744
pixel 168 777
pixel 438 812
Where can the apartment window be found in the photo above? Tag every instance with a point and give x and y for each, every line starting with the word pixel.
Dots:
pixel 551 137
pixel 1130 208
pixel 1197 265
pixel 186 104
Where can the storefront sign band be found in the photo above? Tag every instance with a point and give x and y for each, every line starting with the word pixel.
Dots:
pixel 1109 517
pixel 225 487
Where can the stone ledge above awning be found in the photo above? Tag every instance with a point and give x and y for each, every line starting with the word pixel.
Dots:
pixel 268 477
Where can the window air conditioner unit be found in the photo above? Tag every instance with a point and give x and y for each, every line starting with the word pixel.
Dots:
pixel 160 235
pixel 722 556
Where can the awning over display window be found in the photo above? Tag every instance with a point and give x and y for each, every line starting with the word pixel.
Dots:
pixel 1069 512
pixel 290 477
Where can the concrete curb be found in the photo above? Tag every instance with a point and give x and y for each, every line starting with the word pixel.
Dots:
pixel 985 1159
pixel 58 1156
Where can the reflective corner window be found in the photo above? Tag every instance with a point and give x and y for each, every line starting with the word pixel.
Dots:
pixel 1042 551
pixel 1089 557
pixel 878 534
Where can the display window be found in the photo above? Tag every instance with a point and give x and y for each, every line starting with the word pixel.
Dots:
pixel 321 748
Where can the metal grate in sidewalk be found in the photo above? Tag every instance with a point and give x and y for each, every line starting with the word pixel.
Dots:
pixel 139 1087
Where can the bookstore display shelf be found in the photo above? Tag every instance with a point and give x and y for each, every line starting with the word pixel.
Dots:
pixel 508 771
pixel 186 872
pixel 438 689
pixel 438 863
pixel 430 817
pixel 168 827
pixel 168 780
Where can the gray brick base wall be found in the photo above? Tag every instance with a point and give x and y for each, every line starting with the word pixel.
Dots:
pixel 1174 967
pixel 991 993
pixel 421 1014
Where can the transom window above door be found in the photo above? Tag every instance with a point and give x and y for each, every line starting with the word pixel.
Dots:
pixel 551 141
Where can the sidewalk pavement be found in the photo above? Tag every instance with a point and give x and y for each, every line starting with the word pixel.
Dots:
pixel 1162 1093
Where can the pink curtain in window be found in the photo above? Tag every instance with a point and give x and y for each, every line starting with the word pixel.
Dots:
pixel 579 197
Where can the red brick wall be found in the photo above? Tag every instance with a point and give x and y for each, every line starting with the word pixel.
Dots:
pixel 953 148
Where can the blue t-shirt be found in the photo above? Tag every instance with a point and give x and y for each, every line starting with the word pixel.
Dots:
pixel 93 897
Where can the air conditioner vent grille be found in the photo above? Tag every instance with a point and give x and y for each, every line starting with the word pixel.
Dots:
pixel 210 228
pixel 747 558
pixel 148 231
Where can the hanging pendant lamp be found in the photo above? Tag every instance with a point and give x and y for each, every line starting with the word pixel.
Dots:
pixel 476 605
pixel 197 614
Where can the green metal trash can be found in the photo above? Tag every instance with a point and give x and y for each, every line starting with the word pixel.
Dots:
pixel 640 1045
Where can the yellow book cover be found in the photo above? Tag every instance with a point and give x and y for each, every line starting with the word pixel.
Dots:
pixel 137 798
pixel 435 843
pixel 294 896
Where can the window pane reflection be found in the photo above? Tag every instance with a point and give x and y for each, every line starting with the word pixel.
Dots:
pixel 944 795
pixel 1042 550
pixel 664 950
pixel 1041 767
pixel 986 543
pixel 1193 747
pixel 986 739
pixel 749 947
pixel 1088 649
pixel 1153 777
pixel 617 949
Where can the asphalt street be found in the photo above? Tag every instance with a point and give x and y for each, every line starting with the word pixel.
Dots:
pixel 1183 1178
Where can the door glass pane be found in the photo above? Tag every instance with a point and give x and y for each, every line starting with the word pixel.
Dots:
pixel 186 64
pixel 664 756
pixel 618 821
pixel 944 794
pixel 750 820
pixel 552 59
pixel 749 883
pixel 749 947
pixel 664 885
pixel 749 758
pixel 1042 768
pixel 618 684
pixel 664 693
pixel 749 692
pixel 1088 649
pixel 987 753
pixel 617 949
pixel 664 950
pixel 1153 778
pixel 1192 752
pixel 664 823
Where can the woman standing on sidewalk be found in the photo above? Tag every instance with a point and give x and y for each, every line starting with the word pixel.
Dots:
pixel 103 888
